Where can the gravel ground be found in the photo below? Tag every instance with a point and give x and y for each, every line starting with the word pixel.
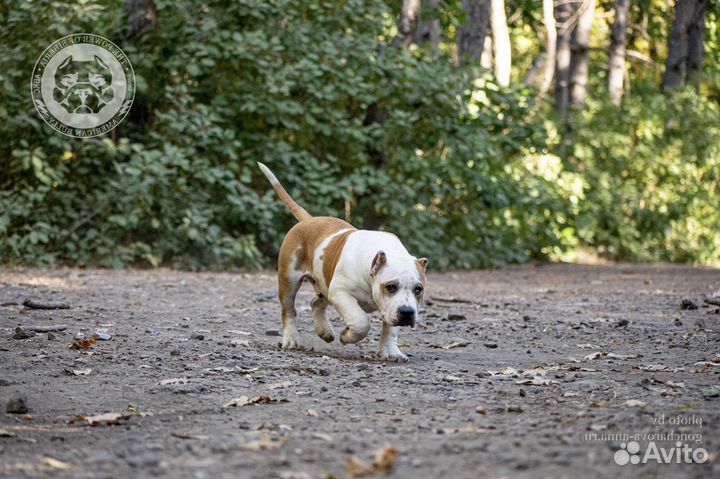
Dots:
pixel 533 371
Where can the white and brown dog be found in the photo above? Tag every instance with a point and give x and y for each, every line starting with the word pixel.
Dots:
pixel 357 271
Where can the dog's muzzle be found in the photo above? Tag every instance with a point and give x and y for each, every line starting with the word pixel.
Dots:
pixel 406 316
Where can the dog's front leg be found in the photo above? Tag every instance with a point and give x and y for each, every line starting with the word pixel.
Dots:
pixel 389 350
pixel 358 323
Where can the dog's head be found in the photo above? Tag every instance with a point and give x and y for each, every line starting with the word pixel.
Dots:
pixel 83 86
pixel 398 286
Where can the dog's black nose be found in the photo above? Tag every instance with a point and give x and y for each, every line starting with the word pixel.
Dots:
pixel 406 316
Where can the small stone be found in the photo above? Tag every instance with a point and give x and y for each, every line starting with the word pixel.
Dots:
pixel 51 337
pixel 20 333
pixel 197 336
pixel 687 304
pixel 515 409
pixel 456 317
pixel 491 345
pixel 523 393
pixel 622 323
pixel 272 332
pixel 480 410
pixel 4 382
pixel 103 336
pixel 174 352
pixel 16 406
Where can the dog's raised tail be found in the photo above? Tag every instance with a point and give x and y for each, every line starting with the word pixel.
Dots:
pixel 298 211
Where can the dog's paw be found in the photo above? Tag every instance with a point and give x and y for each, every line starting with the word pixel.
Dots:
pixel 291 340
pixel 392 354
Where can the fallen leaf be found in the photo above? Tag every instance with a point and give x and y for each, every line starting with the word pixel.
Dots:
pixel 181 435
pixel 262 444
pixel 536 381
pixel 280 385
pixel 385 458
pixel 106 419
pixel 82 344
pixel 356 467
pixel 55 464
pixel 171 381
pixel 659 368
pixel 634 403
pixel 711 392
pixel 606 355
pixel 241 333
pixel 245 401
pixel 322 436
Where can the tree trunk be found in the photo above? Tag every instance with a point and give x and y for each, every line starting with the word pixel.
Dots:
pixel 616 64
pixel 580 46
pixel 501 41
pixel 408 22
pixel 551 49
pixel 428 25
pixel 471 36
pixel 141 15
pixel 486 61
pixel 564 13
pixel 686 49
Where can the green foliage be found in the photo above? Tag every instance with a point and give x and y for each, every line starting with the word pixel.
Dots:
pixel 458 167
pixel 652 171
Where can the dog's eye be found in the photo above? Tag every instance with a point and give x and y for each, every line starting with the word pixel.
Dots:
pixel 418 290
pixel 391 288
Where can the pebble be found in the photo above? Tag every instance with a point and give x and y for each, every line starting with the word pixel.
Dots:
pixel 456 317
pixel 103 336
pixel 491 345
pixel 20 333
pixel 197 336
pixel 272 332
pixel 16 406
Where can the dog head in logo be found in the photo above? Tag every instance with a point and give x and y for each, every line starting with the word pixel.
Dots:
pixel 83 86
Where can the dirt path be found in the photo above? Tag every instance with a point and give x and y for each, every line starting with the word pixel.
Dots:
pixel 513 382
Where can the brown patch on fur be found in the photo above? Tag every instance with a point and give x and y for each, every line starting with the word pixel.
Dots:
pixel 421 265
pixel 331 255
pixel 298 250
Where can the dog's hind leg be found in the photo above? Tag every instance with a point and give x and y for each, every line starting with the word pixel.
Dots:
pixel 323 328
pixel 290 278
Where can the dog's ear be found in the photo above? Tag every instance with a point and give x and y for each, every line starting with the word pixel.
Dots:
pixel 423 262
pixel 67 62
pixel 99 61
pixel 378 262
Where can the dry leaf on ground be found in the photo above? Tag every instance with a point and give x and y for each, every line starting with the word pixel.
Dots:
pixel 385 458
pixel 82 344
pixel 106 419
pixel 55 464
pixel 77 372
pixel 356 467
pixel 245 401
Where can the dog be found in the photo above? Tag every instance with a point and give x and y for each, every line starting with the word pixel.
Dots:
pixel 83 86
pixel 355 271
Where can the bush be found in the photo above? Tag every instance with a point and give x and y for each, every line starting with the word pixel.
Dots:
pixel 350 125
pixel 651 173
